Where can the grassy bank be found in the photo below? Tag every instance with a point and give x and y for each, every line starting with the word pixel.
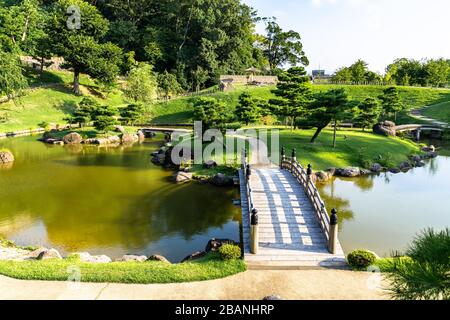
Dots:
pixel 208 268
pixel 180 110
pixel 439 112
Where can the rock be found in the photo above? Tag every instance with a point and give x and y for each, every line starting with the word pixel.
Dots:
pixel 419 164
pixel 322 176
pixel 129 257
pixel 128 138
pixel 386 128
pixel 429 149
pixel 36 253
pixel 59 143
pixel 222 180
pixel 210 164
pixel 72 138
pixel 430 155
pixel 86 257
pixel 405 166
pixel 157 257
pixel 194 256
pixel 348 172
pixel 49 254
pixel 272 298
pixel 6 157
pixel 182 177
pixel 365 172
pixel 119 129
pixel 394 170
pixel 159 159
pixel 113 140
pixel 416 158
pixel 214 245
pixel 376 167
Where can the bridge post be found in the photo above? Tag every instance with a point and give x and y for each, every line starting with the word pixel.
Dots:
pixel 418 133
pixel 294 155
pixel 309 172
pixel 248 172
pixel 254 232
pixel 333 234
pixel 283 157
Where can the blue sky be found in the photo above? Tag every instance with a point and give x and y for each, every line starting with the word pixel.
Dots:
pixel 338 32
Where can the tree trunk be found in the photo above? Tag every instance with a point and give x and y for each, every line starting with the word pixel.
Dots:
pixel 316 135
pixel 76 82
pixel 334 133
pixel 41 69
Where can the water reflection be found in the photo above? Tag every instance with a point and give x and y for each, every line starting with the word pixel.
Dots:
pixel 384 212
pixel 108 200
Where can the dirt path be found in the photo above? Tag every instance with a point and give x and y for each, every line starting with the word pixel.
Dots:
pixel 250 285
pixel 418 114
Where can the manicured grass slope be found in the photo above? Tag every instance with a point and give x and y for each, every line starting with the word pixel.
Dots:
pixel 322 155
pixel 439 112
pixel 181 110
pixel 208 268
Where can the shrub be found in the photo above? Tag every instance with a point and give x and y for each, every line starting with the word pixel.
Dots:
pixel 364 161
pixel 361 259
pixel 230 252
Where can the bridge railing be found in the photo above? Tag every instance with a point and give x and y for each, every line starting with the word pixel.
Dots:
pixel 327 223
pixel 252 211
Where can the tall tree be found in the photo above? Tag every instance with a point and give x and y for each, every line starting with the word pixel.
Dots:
pixel 212 112
pixel 293 94
pixel 249 109
pixel 369 112
pixel 281 47
pixel 329 107
pixel 168 85
pixel 11 77
pixel 391 102
pixel 141 85
pixel 77 38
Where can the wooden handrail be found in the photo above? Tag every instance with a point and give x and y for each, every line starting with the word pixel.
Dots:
pixel 312 193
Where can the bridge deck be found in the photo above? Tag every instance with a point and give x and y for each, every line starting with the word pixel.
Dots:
pixel 289 231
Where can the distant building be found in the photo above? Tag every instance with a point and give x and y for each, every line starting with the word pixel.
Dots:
pixel 320 76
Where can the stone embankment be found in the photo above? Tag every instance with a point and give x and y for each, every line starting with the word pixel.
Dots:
pixel 11 252
pixel 415 161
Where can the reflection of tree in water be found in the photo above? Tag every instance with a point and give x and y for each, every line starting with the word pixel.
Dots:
pixel 327 192
pixel 433 167
pixel 365 183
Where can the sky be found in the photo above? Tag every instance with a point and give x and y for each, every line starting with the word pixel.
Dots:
pixel 336 33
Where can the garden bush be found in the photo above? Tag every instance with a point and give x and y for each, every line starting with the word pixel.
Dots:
pixel 361 259
pixel 230 252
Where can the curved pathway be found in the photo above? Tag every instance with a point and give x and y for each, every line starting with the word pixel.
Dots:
pixel 250 285
pixel 417 114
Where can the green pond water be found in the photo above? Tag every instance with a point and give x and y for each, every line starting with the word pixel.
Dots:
pixel 114 201
pixel 111 201
pixel 384 212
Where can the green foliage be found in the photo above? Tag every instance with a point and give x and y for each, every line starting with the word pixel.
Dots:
pixel 249 109
pixel 391 102
pixel 293 94
pixel 368 114
pixel 131 114
pixel 356 73
pixel 141 85
pixel 103 117
pixel 426 276
pixel 168 85
pixel 361 259
pixel 84 112
pixel 281 47
pixel 81 47
pixel 230 252
pixel 386 160
pixel 330 106
pixel 11 78
pixel 211 112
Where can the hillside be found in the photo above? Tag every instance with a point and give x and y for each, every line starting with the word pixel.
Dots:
pixel 181 110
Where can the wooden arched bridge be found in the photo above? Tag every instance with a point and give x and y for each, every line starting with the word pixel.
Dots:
pixel 285 222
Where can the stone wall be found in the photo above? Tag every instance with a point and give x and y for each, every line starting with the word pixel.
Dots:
pixel 245 79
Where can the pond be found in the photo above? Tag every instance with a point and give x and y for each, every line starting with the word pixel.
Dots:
pixel 111 201
pixel 384 212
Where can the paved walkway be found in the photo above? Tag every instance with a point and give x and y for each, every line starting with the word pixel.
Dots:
pixel 250 285
pixel 289 231
pixel 418 114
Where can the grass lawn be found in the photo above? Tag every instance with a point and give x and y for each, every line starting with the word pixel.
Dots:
pixel 180 110
pixel 350 143
pixel 208 268
pixel 439 112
